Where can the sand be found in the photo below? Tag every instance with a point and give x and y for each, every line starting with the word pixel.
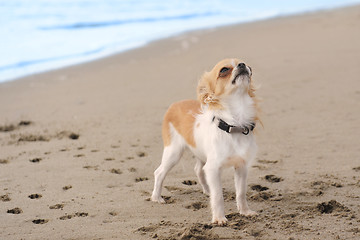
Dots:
pixel 79 145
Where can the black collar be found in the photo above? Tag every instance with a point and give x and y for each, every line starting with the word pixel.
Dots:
pixel 234 129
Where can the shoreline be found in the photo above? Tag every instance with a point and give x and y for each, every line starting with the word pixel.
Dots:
pixel 186 33
pixel 79 145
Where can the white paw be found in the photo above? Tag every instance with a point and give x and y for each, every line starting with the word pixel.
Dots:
pixel 221 221
pixel 158 199
pixel 248 212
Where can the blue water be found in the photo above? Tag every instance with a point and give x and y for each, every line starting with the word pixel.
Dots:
pixel 40 35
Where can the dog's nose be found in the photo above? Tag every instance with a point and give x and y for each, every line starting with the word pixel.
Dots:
pixel 242 65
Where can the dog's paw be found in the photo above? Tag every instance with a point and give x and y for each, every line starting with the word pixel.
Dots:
pixel 158 199
pixel 248 212
pixel 221 221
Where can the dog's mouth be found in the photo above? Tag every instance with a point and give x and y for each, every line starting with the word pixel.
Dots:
pixel 243 72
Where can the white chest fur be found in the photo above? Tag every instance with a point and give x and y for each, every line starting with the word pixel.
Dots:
pixel 227 149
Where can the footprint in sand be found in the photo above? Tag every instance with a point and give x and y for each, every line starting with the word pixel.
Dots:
pixel 12 127
pixel 261 196
pixel 40 221
pixel 15 211
pixel 4 161
pixel 35 160
pixel 258 188
pixel 66 217
pixel 35 196
pixel 189 182
pixel 113 213
pixel 70 216
pixel 33 138
pixel 141 154
pixel 96 168
pixel 273 179
pixel 229 196
pixel 79 155
pixel 179 231
pixel 5 198
pixel 116 171
pixel 263 161
pixel 7 128
pixel 24 123
pixel 140 179
pixel 57 206
pixel 67 187
pixel 260 167
pixel 265 164
pixel 356 169
pixel 168 200
pixel 331 206
pixel 74 136
pixel 68 134
pixel 196 206
pixel 81 214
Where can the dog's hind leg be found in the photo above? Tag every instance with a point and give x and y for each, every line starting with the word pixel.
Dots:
pixel 201 176
pixel 170 158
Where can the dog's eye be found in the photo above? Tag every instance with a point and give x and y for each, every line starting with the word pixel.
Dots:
pixel 224 70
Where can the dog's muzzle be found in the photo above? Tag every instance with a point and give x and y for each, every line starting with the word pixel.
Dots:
pixel 242 70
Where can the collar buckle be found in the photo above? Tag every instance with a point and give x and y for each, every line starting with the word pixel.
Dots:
pixel 246 130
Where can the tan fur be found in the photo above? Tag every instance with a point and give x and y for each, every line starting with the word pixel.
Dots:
pixel 236 162
pixel 218 93
pixel 211 86
pixel 209 90
pixel 182 116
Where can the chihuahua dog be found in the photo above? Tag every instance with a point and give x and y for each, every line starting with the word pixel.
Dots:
pixel 218 129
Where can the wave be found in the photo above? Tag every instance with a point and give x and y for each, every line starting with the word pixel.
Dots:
pixel 57 58
pixel 129 21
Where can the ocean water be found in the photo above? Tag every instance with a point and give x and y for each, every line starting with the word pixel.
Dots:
pixel 40 35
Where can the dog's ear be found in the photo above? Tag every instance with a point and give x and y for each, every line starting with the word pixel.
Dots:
pixel 203 89
pixel 202 94
pixel 205 92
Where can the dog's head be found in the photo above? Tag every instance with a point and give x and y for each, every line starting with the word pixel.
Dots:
pixel 229 76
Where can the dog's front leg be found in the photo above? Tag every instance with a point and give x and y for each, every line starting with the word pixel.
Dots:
pixel 240 186
pixel 213 178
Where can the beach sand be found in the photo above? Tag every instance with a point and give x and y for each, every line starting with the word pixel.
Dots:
pixel 79 145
